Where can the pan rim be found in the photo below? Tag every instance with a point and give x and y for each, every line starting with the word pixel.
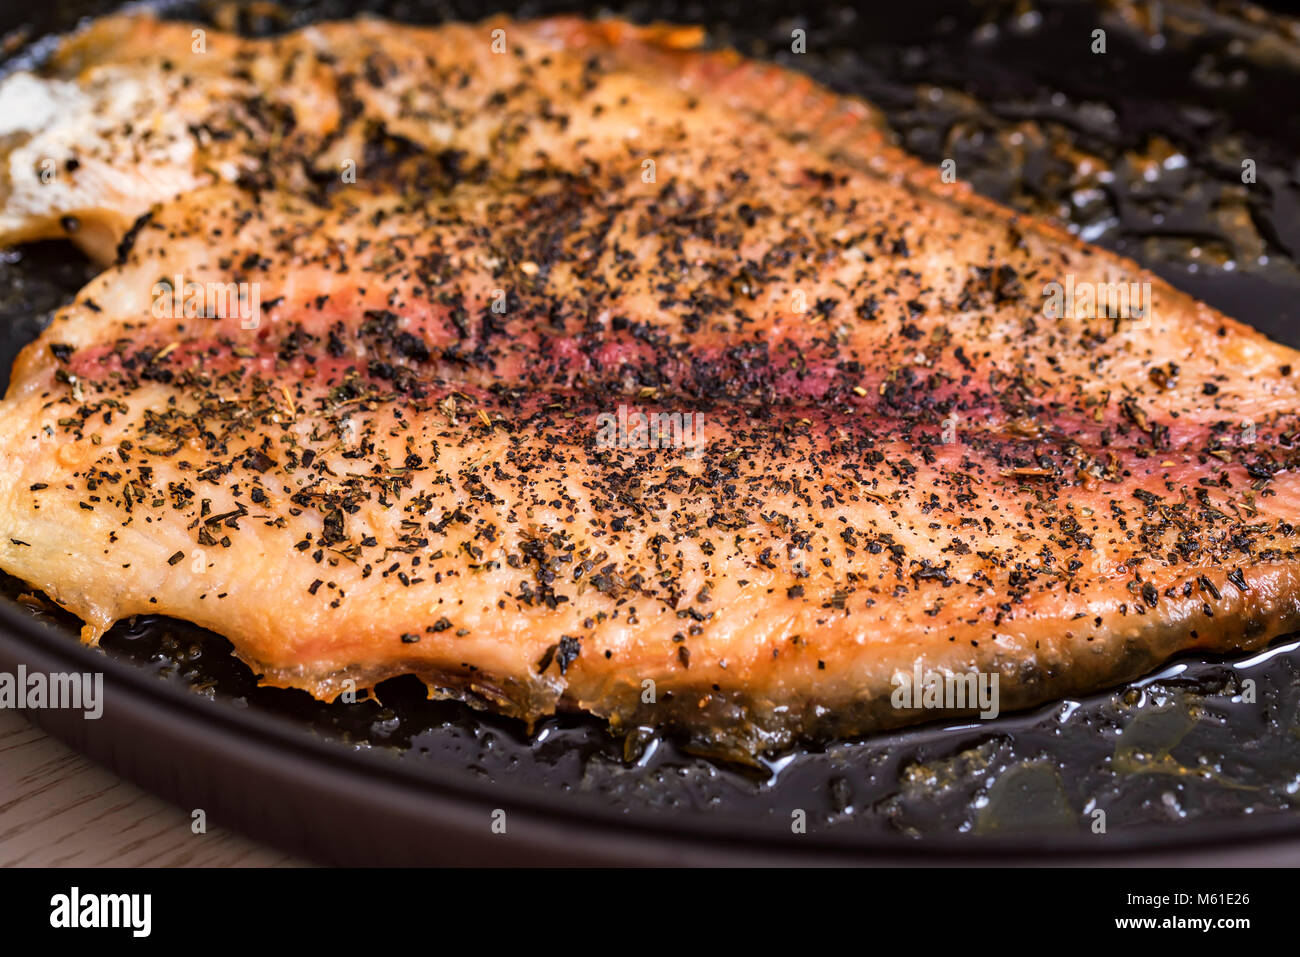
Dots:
pixel 380 773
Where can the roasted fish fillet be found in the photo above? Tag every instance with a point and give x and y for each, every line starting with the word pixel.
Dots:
pixel 620 376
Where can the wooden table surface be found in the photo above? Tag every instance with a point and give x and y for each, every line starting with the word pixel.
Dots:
pixel 59 809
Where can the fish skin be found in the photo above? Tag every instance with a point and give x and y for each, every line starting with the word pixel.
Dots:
pixel 921 466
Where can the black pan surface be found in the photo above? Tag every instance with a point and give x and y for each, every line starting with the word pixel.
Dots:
pixel 1201 757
